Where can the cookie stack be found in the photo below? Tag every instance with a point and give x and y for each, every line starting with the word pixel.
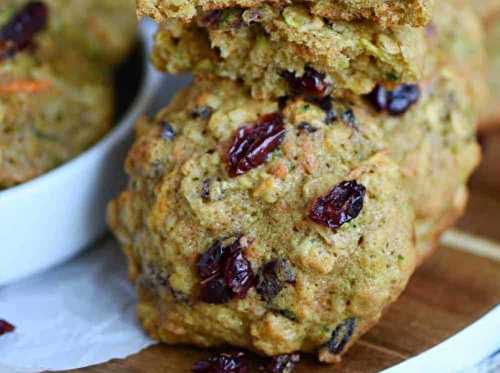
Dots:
pixel 282 201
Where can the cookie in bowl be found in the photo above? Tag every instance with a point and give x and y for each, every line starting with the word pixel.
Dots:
pixel 104 30
pixel 56 98
pixel 273 225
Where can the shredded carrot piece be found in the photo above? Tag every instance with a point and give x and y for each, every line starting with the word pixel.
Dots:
pixel 24 86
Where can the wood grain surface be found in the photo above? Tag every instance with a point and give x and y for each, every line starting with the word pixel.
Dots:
pixel 451 290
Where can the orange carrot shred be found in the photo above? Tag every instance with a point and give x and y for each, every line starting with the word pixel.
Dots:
pixel 24 86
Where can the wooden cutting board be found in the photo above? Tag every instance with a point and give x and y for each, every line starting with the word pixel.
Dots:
pixel 450 291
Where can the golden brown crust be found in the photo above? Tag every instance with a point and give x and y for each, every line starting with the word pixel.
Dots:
pixel 354 57
pixel 164 223
pixel 384 13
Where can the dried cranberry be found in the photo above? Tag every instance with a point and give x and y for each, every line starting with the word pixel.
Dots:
pixel 306 127
pixel 396 102
pixel 225 272
pixel 272 277
pixel 6 327
pixel 402 98
pixel 222 363
pixel 341 335
pixel 238 274
pixel 210 262
pixel 215 291
pixel 342 204
pixel 311 83
pixel 210 19
pixel 252 145
pixel 19 32
pixel 378 98
pixel 167 131
pixel 282 363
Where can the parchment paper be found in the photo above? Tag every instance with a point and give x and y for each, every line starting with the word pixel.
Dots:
pixel 79 314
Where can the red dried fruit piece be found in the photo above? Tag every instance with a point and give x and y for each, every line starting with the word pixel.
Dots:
pixel 402 98
pixel 19 32
pixel 282 363
pixel 225 272
pixel 378 98
pixel 215 291
pixel 272 278
pixel 210 262
pixel 395 102
pixel 252 145
pixel 222 363
pixel 342 204
pixel 238 275
pixel 6 327
pixel 341 335
pixel 311 83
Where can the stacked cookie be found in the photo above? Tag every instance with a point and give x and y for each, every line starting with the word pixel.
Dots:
pixel 282 201
pixel 56 80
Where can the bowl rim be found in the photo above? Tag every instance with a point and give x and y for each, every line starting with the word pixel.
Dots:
pixel 150 82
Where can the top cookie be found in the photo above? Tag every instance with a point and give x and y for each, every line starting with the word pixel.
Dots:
pixel 277 50
pixel 384 13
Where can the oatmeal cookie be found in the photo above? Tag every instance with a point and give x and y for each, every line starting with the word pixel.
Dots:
pixel 274 226
pixel 385 13
pixel 270 48
pixel 56 94
pixel 491 115
pixel 105 30
pixel 457 40
pixel 434 142
pixel 274 50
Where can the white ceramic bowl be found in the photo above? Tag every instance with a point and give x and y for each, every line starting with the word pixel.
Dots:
pixel 50 219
